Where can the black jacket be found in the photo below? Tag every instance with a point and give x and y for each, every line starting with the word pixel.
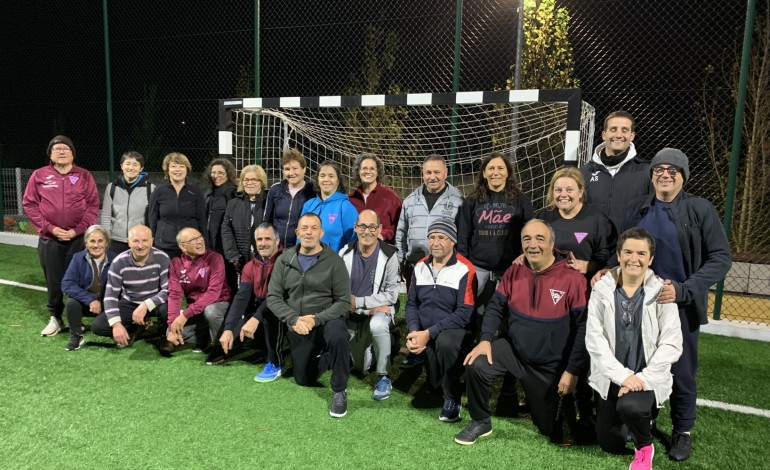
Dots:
pixel 216 203
pixel 611 194
pixel 705 248
pixel 170 213
pixel 237 230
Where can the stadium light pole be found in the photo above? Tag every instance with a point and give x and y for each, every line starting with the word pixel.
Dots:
pixel 748 33
pixel 455 88
pixel 517 86
pixel 257 78
pixel 108 79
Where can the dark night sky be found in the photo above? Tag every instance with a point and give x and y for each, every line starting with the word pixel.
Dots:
pixel 645 56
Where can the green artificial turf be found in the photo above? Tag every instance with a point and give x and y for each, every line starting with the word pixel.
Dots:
pixel 104 408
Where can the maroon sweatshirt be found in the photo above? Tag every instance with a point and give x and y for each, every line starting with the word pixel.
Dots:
pixel 201 281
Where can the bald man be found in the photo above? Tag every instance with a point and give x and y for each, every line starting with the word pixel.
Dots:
pixel 198 276
pixel 137 287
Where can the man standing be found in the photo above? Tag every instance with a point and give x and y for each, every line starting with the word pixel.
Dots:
pixel 692 255
pixel 438 312
pixel 198 276
pixel 309 291
pixel 545 302
pixel 249 309
pixel 434 199
pixel 616 174
pixel 374 285
pixel 61 202
pixel 137 287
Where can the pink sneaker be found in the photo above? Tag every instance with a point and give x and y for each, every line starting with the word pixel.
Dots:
pixel 643 458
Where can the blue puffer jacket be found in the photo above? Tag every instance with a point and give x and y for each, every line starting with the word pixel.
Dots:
pixel 338 216
pixel 79 275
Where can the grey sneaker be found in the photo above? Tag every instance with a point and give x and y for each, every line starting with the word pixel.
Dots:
pixel 339 404
pixel 52 328
pixel 382 389
pixel 477 428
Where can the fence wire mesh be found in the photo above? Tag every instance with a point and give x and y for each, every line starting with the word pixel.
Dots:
pixel 671 64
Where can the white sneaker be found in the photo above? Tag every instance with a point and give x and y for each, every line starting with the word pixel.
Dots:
pixel 52 328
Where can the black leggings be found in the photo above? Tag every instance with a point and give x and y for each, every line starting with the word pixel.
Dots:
pixel 634 409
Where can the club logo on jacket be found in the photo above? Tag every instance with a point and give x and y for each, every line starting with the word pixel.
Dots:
pixel 332 218
pixel 580 236
pixel 73 179
pixel 594 176
pixel 556 295
pixel 202 272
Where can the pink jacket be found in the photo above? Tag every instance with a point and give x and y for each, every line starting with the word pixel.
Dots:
pixel 201 281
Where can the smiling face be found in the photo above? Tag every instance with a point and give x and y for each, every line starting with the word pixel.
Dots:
pixel 192 243
pixel 328 181
pixel 309 233
pixel 140 242
pixel 131 169
pixel 537 245
pixel 177 172
pixel 434 175
pixel 368 229
pixel 267 242
pixel 667 186
pixel 368 172
pixel 218 175
pixel 567 195
pixel 96 244
pixel 496 174
pixel 251 184
pixel 618 135
pixel 634 258
pixel 294 173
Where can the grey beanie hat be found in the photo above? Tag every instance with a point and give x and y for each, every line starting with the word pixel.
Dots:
pixel 445 226
pixel 674 157
pixel 61 139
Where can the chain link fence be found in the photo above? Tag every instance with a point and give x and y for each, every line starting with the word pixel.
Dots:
pixel 671 64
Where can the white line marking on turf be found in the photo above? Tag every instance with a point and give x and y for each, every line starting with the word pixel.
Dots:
pixel 26 286
pixel 736 408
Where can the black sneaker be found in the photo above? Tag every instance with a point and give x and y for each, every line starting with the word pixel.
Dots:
pixel 478 428
pixel 339 405
pixel 75 342
pixel 681 446
pixel 216 356
pixel 450 412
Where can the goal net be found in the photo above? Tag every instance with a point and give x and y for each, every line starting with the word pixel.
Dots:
pixel 539 130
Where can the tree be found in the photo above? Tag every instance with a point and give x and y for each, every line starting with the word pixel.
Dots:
pixel 752 193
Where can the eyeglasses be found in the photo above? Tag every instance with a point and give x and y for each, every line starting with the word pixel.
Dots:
pixel 370 228
pixel 672 171
pixel 628 311
pixel 198 239
pixel 61 149
pixel 250 180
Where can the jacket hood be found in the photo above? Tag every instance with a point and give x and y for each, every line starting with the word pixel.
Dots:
pixel 608 283
pixel 597 159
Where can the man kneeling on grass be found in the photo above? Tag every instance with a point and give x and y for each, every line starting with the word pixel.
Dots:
pixel 545 302
pixel 249 309
pixel 198 276
pixel 309 291
pixel 374 285
pixel 137 287
pixel 632 340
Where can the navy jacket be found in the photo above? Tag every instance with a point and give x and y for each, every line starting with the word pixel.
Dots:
pixel 79 276
pixel 705 248
pixel 283 211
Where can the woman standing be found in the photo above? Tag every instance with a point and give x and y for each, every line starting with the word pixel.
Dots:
pixel 286 198
pixel 372 194
pixel 490 221
pixel 220 175
pixel 126 201
pixel 243 215
pixel 586 234
pixel 175 205
pixel 84 282
pixel 338 215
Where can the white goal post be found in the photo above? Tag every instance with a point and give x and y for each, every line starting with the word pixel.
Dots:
pixel 539 130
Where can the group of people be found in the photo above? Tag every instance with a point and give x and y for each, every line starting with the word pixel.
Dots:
pixel 494 288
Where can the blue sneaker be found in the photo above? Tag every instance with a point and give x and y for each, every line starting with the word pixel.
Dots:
pixel 269 373
pixel 450 412
pixel 382 389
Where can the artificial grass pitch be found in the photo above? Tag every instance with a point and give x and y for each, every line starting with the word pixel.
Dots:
pixel 104 408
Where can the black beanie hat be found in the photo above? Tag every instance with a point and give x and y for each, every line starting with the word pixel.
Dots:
pixel 61 139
